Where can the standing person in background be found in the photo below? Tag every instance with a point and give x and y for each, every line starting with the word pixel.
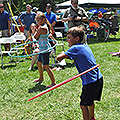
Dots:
pixel 51 18
pixel 4 24
pixel 100 15
pixel 28 17
pixel 75 15
pixel 35 9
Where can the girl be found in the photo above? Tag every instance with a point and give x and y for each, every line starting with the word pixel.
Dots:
pixel 42 35
pixel 31 33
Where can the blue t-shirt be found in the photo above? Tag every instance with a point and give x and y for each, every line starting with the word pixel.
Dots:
pixel 4 17
pixel 51 17
pixel 28 19
pixel 84 60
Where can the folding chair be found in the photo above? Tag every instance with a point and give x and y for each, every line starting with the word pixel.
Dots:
pixel 5 40
pixel 59 35
pixel 53 52
pixel 20 39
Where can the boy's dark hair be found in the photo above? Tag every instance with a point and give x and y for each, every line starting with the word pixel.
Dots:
pixel 76 31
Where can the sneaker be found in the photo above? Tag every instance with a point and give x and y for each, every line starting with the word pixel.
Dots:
pixel 93 118
pixel 37 80
pixel 54 68
pixel 30 69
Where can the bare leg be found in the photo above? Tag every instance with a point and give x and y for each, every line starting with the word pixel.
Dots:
pixel 50 73
pixel 28 50
pixel 40 69
pixel 91 110
pixel 34 58
pixel 85 112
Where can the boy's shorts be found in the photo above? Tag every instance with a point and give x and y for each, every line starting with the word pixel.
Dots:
pixel 44 58
pixel 91 92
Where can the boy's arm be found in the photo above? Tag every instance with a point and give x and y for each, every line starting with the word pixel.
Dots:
pixel 61 56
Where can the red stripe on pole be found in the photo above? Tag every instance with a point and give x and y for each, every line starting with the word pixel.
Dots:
pixel 62 83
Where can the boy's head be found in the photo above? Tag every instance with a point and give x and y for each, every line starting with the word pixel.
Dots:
pixel 75 35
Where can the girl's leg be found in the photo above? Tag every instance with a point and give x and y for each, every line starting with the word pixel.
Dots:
pixel 28 50
pixel 40 69
pixel 34 58
pixel 50 73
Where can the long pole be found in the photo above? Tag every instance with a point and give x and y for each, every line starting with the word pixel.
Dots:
pixel 62 83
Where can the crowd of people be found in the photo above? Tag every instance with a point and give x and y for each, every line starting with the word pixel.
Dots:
pixel 40 26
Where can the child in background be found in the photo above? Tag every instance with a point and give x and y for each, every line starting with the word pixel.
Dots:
pixel 42 35
pixel 84 59
pixel 31 34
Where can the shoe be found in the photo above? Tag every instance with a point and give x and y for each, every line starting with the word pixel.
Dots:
pixel 37 80
pixel 54 68
pixel 49 86
pixel 30 69
pixel 93 118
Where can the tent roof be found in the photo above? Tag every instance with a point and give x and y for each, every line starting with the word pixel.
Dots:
pixel 92 3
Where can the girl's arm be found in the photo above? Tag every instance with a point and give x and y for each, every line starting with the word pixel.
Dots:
pixel 41 30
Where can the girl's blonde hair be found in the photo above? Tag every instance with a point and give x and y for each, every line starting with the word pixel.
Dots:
pixel 41 16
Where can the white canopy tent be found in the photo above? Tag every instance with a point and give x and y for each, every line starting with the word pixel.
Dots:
pixel 92 3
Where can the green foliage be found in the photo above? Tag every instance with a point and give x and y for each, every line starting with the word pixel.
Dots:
pixel 62 103
pixel 35 3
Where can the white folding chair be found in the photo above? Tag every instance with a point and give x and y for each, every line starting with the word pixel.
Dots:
pixel 53 52
pixel 20 38
pixel 5 40
pixel 59 35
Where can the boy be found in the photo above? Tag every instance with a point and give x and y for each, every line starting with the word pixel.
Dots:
pixel 84 59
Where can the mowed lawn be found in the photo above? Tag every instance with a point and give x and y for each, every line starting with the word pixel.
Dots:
pixel 16 88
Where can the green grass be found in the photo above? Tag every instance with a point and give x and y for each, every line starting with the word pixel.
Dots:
pixel 16 88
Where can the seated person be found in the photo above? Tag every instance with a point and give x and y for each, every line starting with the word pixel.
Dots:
pixel 93 25
pixel 36 46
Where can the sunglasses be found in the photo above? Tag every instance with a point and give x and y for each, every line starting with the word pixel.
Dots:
pixel 1 6
pixel 28 8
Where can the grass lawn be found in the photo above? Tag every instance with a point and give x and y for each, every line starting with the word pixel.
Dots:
pixel 16 88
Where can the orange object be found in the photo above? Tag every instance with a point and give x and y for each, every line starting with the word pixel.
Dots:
pixel 94 25
pixel 54 68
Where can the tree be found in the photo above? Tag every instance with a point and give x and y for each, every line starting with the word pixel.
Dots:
pixel 21 4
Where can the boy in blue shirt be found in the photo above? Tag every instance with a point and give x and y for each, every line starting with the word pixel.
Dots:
pixel 51 18
pixel 84 59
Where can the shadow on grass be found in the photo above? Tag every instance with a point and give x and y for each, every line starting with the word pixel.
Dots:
pixel 8 66
pixel 70 65
pixel 37 87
